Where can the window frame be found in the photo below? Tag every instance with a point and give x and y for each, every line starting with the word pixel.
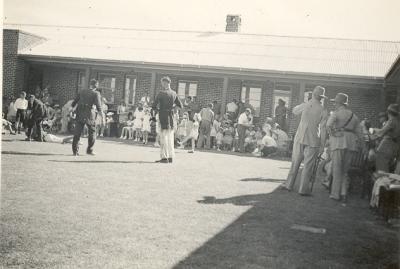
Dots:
pixel 187 88
pixel 281 93
pixel 80 80
pixel 126 99
pixel 113 75
pixel 248 86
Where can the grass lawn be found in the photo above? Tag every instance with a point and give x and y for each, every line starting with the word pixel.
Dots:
pixel 119 209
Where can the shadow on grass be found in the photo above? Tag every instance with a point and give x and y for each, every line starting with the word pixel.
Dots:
pixel 260 179
pixel 102 161
pixel 31 153
pixel 262 237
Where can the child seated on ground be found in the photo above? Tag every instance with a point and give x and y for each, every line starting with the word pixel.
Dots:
pixel 7 125
pixel 281 138
pixel 269 145
pixel 194 133
pixel 227 140
pixel 219 138
pixel 214 130
pixel 127 131
pixel 250 142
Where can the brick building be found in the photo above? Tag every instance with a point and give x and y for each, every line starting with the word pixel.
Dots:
pixel 210 66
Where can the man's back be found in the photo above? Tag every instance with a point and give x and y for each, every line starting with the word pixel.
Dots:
pixel 165 99
pixel 207 114
pixel 85 101
pixel 312 115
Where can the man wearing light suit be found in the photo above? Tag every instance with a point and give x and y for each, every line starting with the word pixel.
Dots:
pixel 309 140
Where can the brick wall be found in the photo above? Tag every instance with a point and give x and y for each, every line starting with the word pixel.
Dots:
pixel 365 103
pixel 143 83
pixel 61 82
pixel 208 89
pixel 10 62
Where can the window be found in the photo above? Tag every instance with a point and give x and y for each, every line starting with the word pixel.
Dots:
pixel 81 81
pixel 130 90
pixel 187 88
pixel 107 87
pixel 281 92
pixel 252 96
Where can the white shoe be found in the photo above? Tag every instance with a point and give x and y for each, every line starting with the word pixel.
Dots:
pixel 121 137
pixel 157 145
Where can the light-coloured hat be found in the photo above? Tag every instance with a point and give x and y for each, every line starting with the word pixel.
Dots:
pixel 110 113
pixel 341 98
pixel 319 91
pixel 166 79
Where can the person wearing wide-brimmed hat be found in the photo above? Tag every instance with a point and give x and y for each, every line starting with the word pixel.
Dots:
pixel 164 104
pixel 345 139
pixel 309 140
pixel 390 134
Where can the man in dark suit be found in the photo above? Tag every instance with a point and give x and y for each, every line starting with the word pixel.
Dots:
pixel 164 104
pixel 36 114
pixel 86 115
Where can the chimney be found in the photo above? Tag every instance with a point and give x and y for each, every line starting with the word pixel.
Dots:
pixel 233 23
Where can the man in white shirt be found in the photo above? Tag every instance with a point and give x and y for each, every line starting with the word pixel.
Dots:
pixel 244 122
pixel 268 144
pixel 20 105
pixel 231 109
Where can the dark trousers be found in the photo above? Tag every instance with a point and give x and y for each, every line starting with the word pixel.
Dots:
pixel 241 129
pixel 35 123
pixel 77 136
pixel 268 150
pixel 204 137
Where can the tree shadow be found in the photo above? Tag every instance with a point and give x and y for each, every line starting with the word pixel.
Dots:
pixel 101 161
pixel 260 179
pixel 262 237
pixel 31 153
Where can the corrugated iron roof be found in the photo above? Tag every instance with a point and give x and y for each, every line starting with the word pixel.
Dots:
pixel 365 58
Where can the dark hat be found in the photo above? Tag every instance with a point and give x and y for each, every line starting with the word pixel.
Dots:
pixel 394 108
pixel 166 79
pixel 319 91
pixel 341 98
pixel 93 82
pixel 382 115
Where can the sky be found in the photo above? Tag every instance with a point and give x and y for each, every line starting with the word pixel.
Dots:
pixel 350 19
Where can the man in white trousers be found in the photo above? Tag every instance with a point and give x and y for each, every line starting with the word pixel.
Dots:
pixel 164 104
